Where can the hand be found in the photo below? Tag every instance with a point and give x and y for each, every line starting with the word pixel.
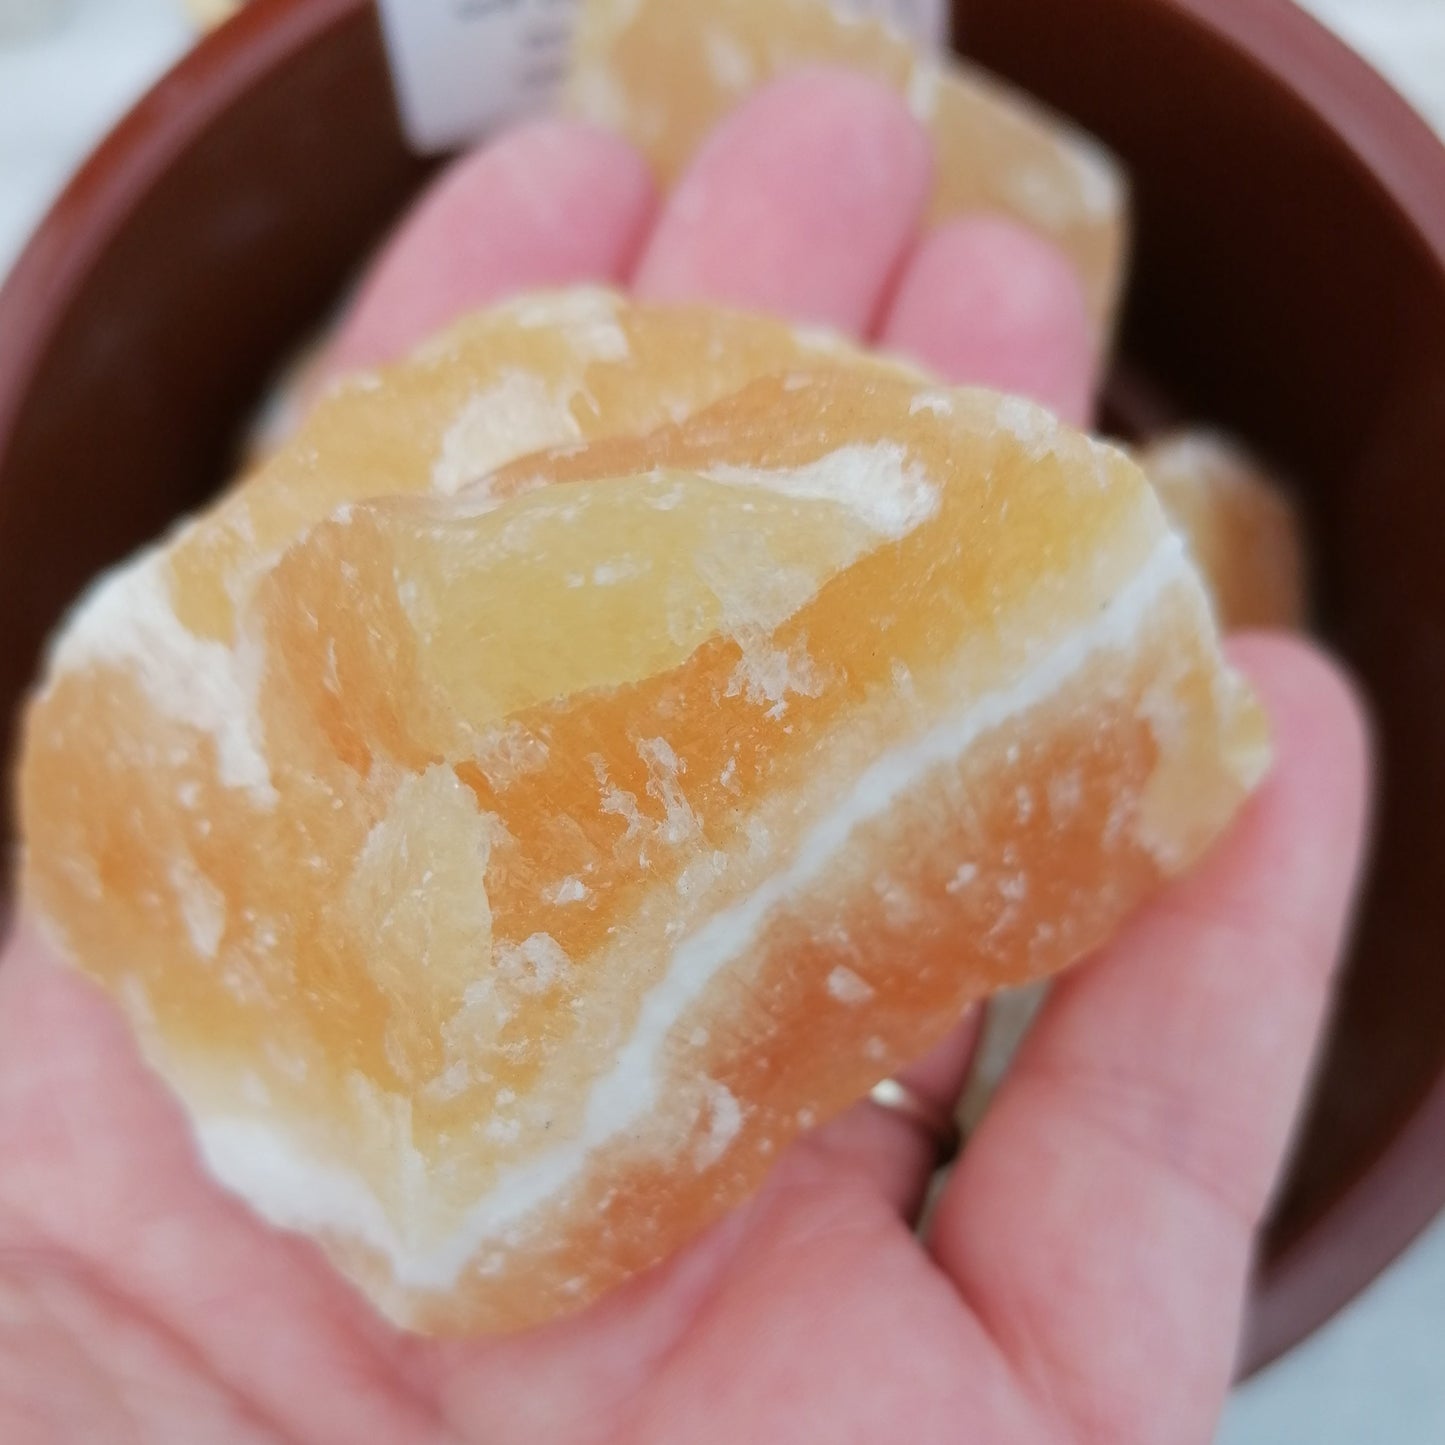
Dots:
pixel 1084 1272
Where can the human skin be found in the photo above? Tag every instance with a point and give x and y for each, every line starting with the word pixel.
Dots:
pixel 1084 1270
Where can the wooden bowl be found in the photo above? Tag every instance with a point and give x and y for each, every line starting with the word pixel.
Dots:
pixel 1290 282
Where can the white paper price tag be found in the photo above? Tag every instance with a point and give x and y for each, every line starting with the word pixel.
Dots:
pixel 463 66
pixel 925 20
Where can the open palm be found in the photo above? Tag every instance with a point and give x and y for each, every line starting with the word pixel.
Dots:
pixel 1085 1266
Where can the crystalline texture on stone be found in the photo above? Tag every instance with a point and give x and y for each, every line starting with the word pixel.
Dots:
pixel 593 748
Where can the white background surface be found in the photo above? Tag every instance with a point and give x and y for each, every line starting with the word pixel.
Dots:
pixel 1376 1375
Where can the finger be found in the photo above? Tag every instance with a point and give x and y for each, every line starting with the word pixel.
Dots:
pixel 802 203
pixel 897 1154
pixel 984 301
pixel 1101 1219
pixel 548 204
pixel 100 1174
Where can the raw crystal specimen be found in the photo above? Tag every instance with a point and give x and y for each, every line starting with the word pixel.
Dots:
pixel 664 72
pixel 504 857
pixel 1240 528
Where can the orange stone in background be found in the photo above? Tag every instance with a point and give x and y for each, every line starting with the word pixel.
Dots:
pixel 1238 524
pixel 505 856
pixel 664 72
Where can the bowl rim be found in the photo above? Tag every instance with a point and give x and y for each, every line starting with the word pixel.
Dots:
pixel 1396 1196
pixel 119 171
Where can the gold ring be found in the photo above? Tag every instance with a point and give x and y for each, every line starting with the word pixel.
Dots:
pixel 931 1119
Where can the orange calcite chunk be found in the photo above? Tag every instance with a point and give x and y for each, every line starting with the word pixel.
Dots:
pixel 505 857
pixel 1240 528
pixel 664 72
